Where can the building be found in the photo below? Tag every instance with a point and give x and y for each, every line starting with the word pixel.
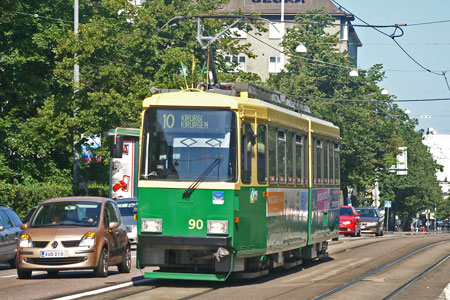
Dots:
pixel 269 59
pixel 439 145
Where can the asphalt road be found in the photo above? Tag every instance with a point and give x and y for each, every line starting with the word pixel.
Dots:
pixel 348 259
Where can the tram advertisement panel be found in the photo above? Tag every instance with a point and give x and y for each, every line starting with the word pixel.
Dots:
pixel 122 180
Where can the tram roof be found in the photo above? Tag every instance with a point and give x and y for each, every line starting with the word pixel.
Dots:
pixel 265 110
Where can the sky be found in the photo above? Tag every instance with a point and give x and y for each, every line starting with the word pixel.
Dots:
pixel 427 44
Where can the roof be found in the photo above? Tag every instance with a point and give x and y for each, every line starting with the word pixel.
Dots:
pixel 291 7
pixel 77 198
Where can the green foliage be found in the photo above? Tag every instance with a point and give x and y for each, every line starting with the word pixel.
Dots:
pixel 24 196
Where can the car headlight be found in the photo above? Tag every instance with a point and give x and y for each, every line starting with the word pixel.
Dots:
pixel 217 227
pixel 25 241
pixel 88 240
pixel 346 223
pixel 151 225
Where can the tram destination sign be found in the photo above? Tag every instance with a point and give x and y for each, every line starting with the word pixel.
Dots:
pixel 185 120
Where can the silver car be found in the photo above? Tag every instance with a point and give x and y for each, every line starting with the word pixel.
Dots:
pixel 10 232
pixel 128 210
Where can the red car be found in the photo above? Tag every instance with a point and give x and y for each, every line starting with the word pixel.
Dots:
pixel 349 221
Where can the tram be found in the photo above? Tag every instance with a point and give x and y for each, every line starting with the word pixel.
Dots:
pixel 234 181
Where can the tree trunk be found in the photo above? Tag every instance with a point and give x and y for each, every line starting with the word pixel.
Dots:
pixel 354 196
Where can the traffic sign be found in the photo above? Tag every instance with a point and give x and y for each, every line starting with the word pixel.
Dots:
pixel 387 204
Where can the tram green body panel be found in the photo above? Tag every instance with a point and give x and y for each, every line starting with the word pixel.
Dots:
pixel 324 214
pixel 250 234
pixel 270 220
pixel 176 212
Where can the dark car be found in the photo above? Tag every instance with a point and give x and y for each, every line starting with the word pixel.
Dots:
pixel 349 221
pixel 29 214
pixel 10 232
pixel 74 233
pixel 371 221
pixel 128 209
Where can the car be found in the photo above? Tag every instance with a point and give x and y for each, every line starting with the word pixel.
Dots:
pixel 10 232
pixel 74 233
pixel 371 221
pixel 29 214
pixel 128 210
pixel 349 221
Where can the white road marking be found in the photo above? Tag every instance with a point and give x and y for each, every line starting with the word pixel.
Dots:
pixel 103 290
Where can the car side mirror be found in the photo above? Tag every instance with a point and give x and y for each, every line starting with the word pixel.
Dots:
pixel 113 225
pixel 24 226
pixel 2 228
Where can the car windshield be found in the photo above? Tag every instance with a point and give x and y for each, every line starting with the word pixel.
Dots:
pixel 70 213
pixel 346 211
pixel 367 212
pixel 127 208
pixel 180 144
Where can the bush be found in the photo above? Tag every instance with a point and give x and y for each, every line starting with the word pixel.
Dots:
pixel 22 197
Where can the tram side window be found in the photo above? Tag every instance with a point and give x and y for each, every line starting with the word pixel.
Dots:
pixel 261 159
pixel 325 162
pixel 306 160
pixel 290 157
pixel 281 156
pixel 337 164
pixel 331 164
pixel 246 152
pixel 319 162
pixel 272 154
pixel 298 159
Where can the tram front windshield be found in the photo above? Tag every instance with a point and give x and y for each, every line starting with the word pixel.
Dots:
pixel 188 145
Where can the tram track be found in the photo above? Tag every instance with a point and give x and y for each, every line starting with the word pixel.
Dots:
pixel 387 266
pixel 317 279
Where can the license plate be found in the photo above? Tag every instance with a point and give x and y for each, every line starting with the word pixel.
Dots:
pixel 52 254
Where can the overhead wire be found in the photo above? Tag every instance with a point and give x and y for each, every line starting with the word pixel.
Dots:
pixel 393 36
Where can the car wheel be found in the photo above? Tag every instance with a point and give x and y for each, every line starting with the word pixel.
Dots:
pixel 102 269
pixel 22 274
pixel 125 265
pixel 53 273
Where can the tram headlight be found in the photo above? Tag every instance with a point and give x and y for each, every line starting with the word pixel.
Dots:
pixel 217 227
pixel 151 225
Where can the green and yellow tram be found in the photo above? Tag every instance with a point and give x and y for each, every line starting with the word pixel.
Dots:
pixel 233 185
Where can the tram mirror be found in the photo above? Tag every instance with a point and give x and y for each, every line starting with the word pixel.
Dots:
pixel 117 147
pixel 252 136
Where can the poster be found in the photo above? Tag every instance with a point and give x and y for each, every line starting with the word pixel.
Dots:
pixel 122 173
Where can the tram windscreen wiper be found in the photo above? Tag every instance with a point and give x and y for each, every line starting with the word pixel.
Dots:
pixel 188 192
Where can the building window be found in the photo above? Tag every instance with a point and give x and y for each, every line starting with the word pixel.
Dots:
pixel 276 30
pixel 237 61
pixel 275 64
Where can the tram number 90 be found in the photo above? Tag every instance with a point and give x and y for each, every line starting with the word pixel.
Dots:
pixel 195 224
